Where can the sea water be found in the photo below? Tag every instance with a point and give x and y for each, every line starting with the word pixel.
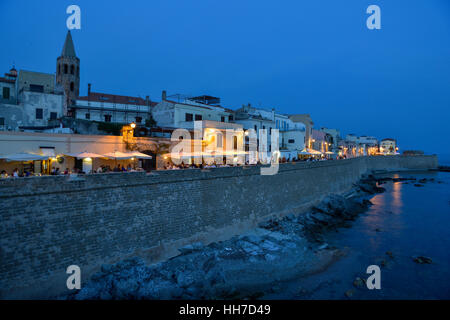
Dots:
pixel 407 221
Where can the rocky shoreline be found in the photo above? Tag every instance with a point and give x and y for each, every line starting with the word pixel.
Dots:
pixel 244 266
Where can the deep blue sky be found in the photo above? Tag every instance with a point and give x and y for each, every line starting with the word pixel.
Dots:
pixel 314 56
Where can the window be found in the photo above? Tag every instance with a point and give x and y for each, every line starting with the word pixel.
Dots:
pixel 78 71
pixel 2 121
pixel 264 127
pixel 53 115
pixel 291 141
pixel 59 68
pixel 36 88
pixel 39 113
pixel 71 86
pixel 270 130
pixel 222 119
pixel 87 116
pixel 72 69
pixel 256 127
pixel 138 119
pixel 189 117
pixel 230 118
pixel 198 117
pixel 66 68
pixel 5 93
pixel 235 143
pixel 107 118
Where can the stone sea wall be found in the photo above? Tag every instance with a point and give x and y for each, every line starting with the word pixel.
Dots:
pixel 49 223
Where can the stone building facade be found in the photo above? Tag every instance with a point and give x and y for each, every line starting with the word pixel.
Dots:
pixel 32 101
pixel 104 107
pixel 309 124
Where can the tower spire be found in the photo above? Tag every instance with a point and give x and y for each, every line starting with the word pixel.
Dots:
pixel 68 49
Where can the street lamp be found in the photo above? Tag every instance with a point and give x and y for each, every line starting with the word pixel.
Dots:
pixel 133 125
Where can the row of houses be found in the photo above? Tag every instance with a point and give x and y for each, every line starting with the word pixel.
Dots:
pixel 37 102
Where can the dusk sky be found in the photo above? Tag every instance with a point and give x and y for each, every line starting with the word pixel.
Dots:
pixel 315 57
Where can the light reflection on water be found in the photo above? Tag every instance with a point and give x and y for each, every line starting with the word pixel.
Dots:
pixel 406 220
pixel 388 202
pixel 397 196
pixel 392 200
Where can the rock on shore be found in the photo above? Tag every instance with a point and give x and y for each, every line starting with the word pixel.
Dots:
pixel 242 267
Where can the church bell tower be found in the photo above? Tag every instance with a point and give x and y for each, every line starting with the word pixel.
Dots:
pixel 68 71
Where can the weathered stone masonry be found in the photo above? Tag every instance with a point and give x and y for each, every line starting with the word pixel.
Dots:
pixel 49 223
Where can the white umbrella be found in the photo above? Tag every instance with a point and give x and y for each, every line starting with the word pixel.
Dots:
pixel 305 152
pixel 117 155
pixel 20 157
pixel 85 154
pixel 140 155
pixel 314 152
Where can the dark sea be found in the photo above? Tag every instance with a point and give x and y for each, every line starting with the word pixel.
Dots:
pixel 407 221
pixel 444 159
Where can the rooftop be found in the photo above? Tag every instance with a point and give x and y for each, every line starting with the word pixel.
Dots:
pixel 205 99
pixel 7 80
pixel 114 98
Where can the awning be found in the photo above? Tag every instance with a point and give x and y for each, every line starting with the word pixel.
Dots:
pixel 205 154
pixel 21 157
pixel 315 152
pixel 140 155
pixel 310 152
pixel 85 154
pixel 118 155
